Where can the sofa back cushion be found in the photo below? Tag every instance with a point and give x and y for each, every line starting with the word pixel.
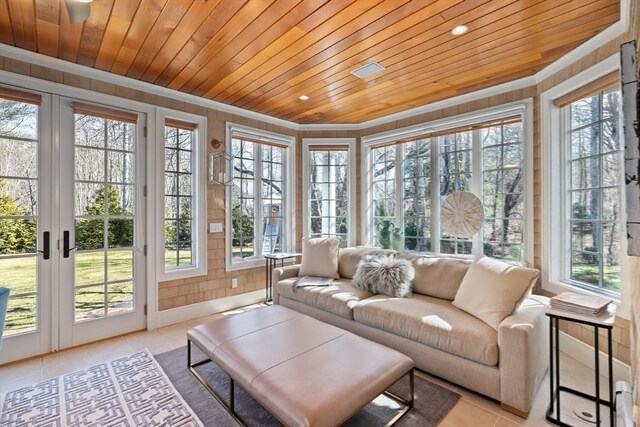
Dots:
pixel 492 289
pixel 348 258
pixel 439 277
pixel 320 257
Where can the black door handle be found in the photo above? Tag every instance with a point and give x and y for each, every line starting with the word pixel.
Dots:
pixel 65 240
pixel 45 246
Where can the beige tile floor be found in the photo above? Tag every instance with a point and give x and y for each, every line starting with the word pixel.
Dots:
pixel 472 410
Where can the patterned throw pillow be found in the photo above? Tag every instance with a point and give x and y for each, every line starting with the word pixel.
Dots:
pixel 384 275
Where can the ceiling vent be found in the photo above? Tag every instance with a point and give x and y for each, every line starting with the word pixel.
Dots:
pixel 367 69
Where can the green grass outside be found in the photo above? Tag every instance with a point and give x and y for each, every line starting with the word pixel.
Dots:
pixel 19 275
pixel 589 273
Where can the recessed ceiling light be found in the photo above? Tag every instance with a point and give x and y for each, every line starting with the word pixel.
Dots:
pixel 367 69
pixel 303 97
pixel 460 29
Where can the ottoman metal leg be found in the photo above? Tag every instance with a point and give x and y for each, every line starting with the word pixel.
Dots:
pixel 229 407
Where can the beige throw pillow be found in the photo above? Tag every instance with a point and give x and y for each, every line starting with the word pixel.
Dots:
pixel 320 257
pixel 439 277
pixel 492 289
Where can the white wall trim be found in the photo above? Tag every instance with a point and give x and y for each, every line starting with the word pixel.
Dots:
pixel 201 309
pixel 584 353
pixel 351 192
pixel 92 73
pixel 608 34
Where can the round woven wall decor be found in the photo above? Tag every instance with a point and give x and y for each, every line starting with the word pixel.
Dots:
pixel 461 214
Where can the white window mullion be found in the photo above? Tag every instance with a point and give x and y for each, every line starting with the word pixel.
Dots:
pixel 399 185
pixel 476 185
pixel 257 195
pixel 435 195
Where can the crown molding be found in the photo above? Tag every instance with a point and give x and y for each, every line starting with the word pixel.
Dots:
pixel 116 79
pixel 608 34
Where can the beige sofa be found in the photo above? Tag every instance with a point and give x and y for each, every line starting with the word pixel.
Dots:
pixel 506 365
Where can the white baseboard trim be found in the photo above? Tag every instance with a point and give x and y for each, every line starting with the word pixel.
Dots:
pixel 584 354
pixel 193 311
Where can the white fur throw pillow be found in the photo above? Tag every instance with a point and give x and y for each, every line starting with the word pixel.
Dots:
pixel 384 275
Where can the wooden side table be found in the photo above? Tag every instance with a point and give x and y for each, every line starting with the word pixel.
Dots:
pixel 271 262
pixel 603 320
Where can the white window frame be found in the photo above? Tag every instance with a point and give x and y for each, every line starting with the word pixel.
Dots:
pixel 554 253
pixel 289 233
pixel 199 203
pixel 351 188
pixel 524 108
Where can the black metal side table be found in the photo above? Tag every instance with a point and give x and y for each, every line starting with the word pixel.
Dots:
pixel 603 320
pixel 272 262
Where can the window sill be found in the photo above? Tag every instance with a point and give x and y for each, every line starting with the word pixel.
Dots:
pixel 182 273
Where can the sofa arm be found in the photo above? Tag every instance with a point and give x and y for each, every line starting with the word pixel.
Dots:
pixel 523 342
pixel 281 273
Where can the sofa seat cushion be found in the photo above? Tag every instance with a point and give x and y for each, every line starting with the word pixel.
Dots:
pixel 338 298
pixel 431 321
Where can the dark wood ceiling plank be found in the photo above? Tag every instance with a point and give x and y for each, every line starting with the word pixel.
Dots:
pixel 47 26
pixel 93 31
pixel 489 32
pixel 115 33
pixel 471 72
pixel 196 44
pixel 266 28
pixel 240 22
pixel 197 14
pixel 351 55
pixel 340 14
pixel 171 15
pixel 6 29
pixel 23 23
pixel 143 21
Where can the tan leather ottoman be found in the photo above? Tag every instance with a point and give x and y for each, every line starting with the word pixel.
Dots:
pixel 303 371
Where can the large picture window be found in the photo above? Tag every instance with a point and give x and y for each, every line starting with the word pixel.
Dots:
pixel 412 175
pixel 260 219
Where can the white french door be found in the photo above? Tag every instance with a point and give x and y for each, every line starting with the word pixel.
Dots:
pixel 71 208
pixel 100 233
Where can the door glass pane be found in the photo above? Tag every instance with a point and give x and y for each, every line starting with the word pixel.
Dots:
pixel 104 210
pixel 19 212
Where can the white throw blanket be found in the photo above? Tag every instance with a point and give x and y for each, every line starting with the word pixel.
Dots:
pixel 311 281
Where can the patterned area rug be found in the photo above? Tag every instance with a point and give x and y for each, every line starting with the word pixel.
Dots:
pixel 131 391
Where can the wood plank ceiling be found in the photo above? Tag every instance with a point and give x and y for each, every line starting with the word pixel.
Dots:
pixel 262 55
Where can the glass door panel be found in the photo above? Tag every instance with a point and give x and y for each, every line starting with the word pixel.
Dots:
pixel 20 226
pixel 101 278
